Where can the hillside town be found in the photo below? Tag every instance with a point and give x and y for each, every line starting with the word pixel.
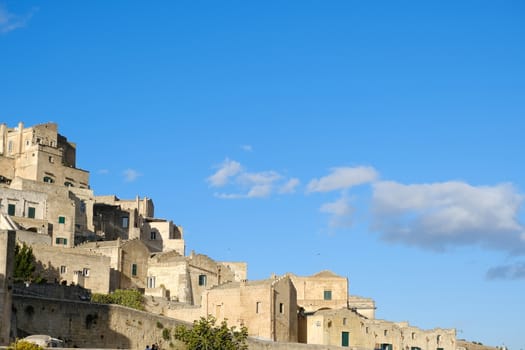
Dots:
pixel 103 243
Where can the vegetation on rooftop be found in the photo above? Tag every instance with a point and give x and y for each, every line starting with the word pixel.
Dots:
pixel 126 297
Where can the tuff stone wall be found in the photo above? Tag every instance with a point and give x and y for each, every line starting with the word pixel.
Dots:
pixel 88 325
pixel 7 244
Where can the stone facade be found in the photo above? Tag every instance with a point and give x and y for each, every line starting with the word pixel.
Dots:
pixel 347 328
pixel 7 248
pixel 72 266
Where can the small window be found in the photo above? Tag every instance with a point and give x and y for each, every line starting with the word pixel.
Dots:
pixel 153 235
pixel 366 330
pixel 438 339
pixel 413 335
pixel 31 212
pixel 61 219
pixel 258 307
pixel 10 146
pixel 327 295
pixel 344 321
pixel 151 282
pixel 11 209
pixel 133 269
pixel 48 179
pixel 85 272
pixel 61 240
pixel 68 184
pixel 202 280
pixel 281 308
pixel 125 222
pixel 63 269
pixel 385 332
pixel 51 159
pixel 82 206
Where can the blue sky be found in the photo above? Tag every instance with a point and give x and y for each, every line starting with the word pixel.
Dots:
pixel 380 140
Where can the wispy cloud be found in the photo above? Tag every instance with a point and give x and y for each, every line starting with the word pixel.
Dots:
pixel 131 175
pixel 226 170
pixel 103 171
pixel 439 215
pixel 245 184
pixel 290 186
pixel 9 21
pixel 343 178
pixel 507 272
pixel 247 148
pixel 340 212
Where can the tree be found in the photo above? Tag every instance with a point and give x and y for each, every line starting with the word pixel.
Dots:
pixel 205 335
pixel 25 264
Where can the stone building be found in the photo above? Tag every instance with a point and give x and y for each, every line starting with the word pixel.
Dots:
pixel 268 308
pixel 347 328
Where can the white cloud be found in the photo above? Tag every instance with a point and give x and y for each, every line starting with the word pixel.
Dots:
pixel 341 212
pixel 439 215
pixel 10 21
pixel 342 178
pixel 131 175
pixel 289 187
pixel 103 171
pixel 244 184
pixel 247 148
pixel 227 169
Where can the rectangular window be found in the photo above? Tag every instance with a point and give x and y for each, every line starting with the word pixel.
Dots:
pixel 345 339
pixel 153 235
pixel 386 346
pixel 202 280
pixel 125 222
pixel 61 219
pixel 63 269
pixel 31 212
pixel 85 272
pixel 281 308
pixel 258 307
pixel 327 295
pixel 82 206
pixel 61 240
pixel 344 321
pixel 11 208
pixel 133 269
pixel 151 282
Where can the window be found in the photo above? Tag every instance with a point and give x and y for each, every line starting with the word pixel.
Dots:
pixel 82 206
pixel 10 146
pixel 61 219
pixel 345 339
pixel 257 307
pixel 60 240
pixel 85 272
pixel 281 308
pixel 413 335
pixel 153 235
pixel 202 280
pixel 133 269
pixel 344 321
pixel 386 346
pixel 385 332
pixel 438 338
pixel 48 179
pixel 11 208
pixel 63 269
pixel 125 222
pixel 68 184
pixel 51 159
pixel 151 282
pixel 366 330
pixel 327 295
pixel 31 212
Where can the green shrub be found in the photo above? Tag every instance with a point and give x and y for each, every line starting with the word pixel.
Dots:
pixel 24 345
pixel 125 297
pixel 166 334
